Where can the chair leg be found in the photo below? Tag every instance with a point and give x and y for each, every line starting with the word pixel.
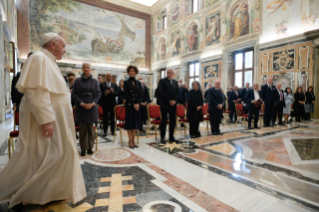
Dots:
pixel 12 145
pixel 9 147
pixel 115 133
pixel 138 137
pixel 236 122
pixel 96 137
pixel 120 137
pixel 155 129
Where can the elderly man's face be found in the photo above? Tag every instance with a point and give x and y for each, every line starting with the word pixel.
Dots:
pixel 247 85
pixel 170 74
pixel 255 86
pixel 86 68
pixel 109 77
pixel 58 47
pixel 217 84
pixel 180 81
pixel 99 79
pixel 278 86
pixel 269 81
pixel 235 88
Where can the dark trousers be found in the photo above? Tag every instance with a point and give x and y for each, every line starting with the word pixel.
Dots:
pixel 109 109
pixel 193 128
pixel 254 112
pixel 215 118
pixel 278 109
pixel 268 113
pixel 86 136
pixel 233 113
pixel 171 111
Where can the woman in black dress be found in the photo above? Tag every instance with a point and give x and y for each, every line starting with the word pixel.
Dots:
pixel 194 110
pixel 299 103
pixel 310 103
pixel 121 96
pixel 132 91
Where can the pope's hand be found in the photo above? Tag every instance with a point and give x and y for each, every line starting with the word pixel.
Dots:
pixel 172 102
pixel 47 130
pixel 14 107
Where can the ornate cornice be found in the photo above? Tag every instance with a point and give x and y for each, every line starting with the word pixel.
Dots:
pixel 312 34
pixel 131 5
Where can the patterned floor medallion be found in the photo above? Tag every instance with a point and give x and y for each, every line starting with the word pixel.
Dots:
pixel 111 155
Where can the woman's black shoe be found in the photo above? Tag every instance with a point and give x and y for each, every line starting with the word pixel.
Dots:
pixel 132 147
pixel 90 152
pixel 83 153
pixel 135 146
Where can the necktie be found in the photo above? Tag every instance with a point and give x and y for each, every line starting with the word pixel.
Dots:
pixel 281 99
pixel 236 93
pixel 108 84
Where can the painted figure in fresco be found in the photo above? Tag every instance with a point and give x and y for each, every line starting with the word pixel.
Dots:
pixel 239 20
pixel 275 5
pixel 211 72
pixel 310 22
pixel 175 12
pixel 162 49
pixel 213 29
pixel 256 25
pixel 192 36
pixel 176 45
pixel 281 28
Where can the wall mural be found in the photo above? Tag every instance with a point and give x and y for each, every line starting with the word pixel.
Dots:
pixel 286 80
pixel 212 29
pixel 239 21
pixel 206 84
pixel 192 37
pixel 4 9
pixel 264 79
pixel 210 2
pixel 175 47
pixel 175 12
pixel 162 49
pixel 284 60
pixel 303 80
pixel 304 53
pixel 91 33
pixel 210 71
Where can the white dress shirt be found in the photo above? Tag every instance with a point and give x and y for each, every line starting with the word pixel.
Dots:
pixel 256 95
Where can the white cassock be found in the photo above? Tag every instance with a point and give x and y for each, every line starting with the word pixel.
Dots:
pixel 42 169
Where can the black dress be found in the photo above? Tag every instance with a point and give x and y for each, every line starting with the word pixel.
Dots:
pixel 195 99
pixel 132 96
pixel 121 96
pixel 299 108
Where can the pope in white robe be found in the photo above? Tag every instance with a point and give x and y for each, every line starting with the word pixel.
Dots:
pixel 45 165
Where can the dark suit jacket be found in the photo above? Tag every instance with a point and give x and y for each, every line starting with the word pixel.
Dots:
pixel 110 98
pixel 16 96
pixel 182 96
pixel 121 96
pixel 250 96
pixel 145 94
pixel 168 92
pixel 157 96
pixel 277 97
pixel 215 98
pixel 234 97
pixel 243 93
pixel 267 95
pixel 132 93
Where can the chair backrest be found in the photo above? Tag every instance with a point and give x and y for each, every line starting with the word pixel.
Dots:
pixel 180 111
pixel 206 108
pixel 239 109
pixel 100 111
pixel 154 111
pixel 120 112
pixel 263 107
pixel 16 118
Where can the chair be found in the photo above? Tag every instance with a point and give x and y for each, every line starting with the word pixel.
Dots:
pixel 226 112
pixel 261 114
pixel 100 111
pixel 13 134
pixel 180 116
pixel 154 113
pixel 206 116
pixel 77 129
pixel 240 113
pixel 120 114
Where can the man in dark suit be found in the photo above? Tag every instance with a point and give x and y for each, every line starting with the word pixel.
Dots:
pixel 234 99
pixel 252 97
pixel 243 93
pixel 183 93
pixel 267 96
pixel 169 92
pixel 109 92
pixel 279 104
pixel 145 100
pixel 16 96
pixel 206 93
pixel 228 97
pixel 216 102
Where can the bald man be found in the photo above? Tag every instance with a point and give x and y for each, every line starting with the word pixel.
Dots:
pixel 109 92
pixel 267 96
pixel 169 92
pixel 253 105
pixel 216 102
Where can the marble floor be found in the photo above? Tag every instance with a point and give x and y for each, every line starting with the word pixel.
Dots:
pixel 269 169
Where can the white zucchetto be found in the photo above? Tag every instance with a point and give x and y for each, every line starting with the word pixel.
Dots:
pixel 48 37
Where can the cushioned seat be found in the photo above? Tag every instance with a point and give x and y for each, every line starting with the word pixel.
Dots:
pixel 14 133
pixel 157 122
pixel 183 120
pixel 206 118
pixel 121 125
pixel 244 115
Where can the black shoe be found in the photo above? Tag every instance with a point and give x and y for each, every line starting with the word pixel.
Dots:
pixel 171 140
pixel 215 133
pixel 249 127
pixel 105 134
pixel 135 146
pixel 163 141
pixel 219 133
pixel 256 127
pixel 281 124
pixel 83 153
pixel 265 125
pixel 132 147
pixel 90 152
pixel 143 131
pixel 152 128
pixel 112 133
